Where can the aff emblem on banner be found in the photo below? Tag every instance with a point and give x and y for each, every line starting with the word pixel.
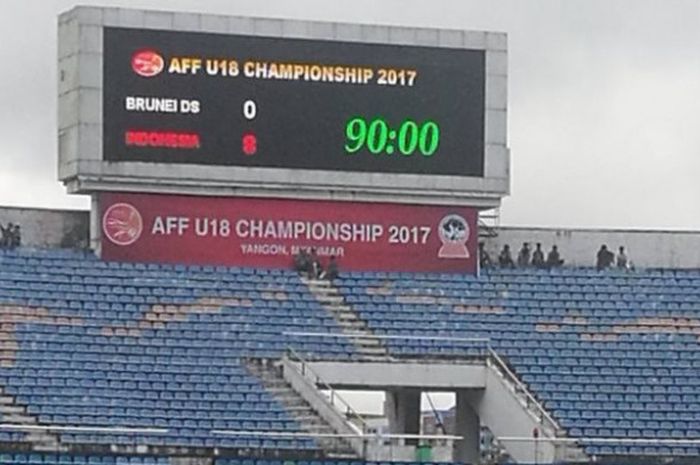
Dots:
pixel 454 234
pixel 122 224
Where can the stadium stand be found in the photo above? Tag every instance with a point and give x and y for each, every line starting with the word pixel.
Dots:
pixel 89 343
pixel 164 347
pixel 611 355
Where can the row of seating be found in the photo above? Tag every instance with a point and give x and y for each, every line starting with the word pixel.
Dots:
pixel 65 459
pixel 98 277
pixel 643 299
pixel 641 450
pixel 80 360
pixel 56 459
pixel 190 438
pixel 609 354
pixel 562 331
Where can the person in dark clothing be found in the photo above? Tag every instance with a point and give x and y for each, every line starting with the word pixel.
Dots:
pixel 505 259
pixel 604 258
pixel 16 237
pixel 524 256
pixel 331 272
pixel 315 268
pixel 484 257
pixel 538 257
pixel 6 239
pixel 553 258
pixel 301 261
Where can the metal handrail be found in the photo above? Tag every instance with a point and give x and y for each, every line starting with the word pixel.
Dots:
pixel 87 429
pixel 336 435
pixel 290 434
pixel 435 412
pixel 334 394
pixel 514 379
pixel 485 340
pixel 502 366
pixel 558 440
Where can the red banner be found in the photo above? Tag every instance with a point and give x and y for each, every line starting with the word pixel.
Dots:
pixel 257 232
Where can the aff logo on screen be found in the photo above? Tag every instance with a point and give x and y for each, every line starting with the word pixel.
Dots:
pixel 147 63
pixel 122 224
pixel 454 234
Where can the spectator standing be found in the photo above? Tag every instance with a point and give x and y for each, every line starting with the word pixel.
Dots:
pixel 622 260
pixel 6 239
pixel 331 272
pixel 604 258
pixel 505 259
pixel 484 257
pixel 524 255
pixel 538 257
pixel 301 261
pixel 16 237
pixel 315 268
pixel 553 258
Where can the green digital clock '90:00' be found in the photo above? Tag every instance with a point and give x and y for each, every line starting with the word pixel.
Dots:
pixel 378 137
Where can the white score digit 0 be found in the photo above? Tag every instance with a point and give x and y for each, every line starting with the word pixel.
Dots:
pixel 250 109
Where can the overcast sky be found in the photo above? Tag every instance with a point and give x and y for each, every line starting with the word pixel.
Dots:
pixel 603 99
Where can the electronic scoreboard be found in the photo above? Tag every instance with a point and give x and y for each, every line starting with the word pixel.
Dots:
pixel 167 102
pixel 219 99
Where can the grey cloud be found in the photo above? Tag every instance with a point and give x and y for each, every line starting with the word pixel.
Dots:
pixel 603 99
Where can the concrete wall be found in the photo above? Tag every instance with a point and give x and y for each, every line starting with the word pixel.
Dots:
pixel 502 411
pixel 646 248
pixel 381 376
pixel 49 228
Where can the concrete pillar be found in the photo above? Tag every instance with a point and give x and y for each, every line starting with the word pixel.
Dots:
pixel 95 225
pixel 402 407
pixel 467 425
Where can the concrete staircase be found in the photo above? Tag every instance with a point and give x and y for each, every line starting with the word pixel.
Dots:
pixel 14 414
pixel 271 376
pixel 369 347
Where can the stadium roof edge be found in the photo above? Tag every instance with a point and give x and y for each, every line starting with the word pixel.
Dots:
pixel 68 14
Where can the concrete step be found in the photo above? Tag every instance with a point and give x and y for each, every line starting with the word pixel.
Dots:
pixel 353 326
pixel 323 287
pixel 371 348
pixel 342 308
pixel 282 390
pixel 12 410
pixel 16 414
pixel 376 358
pixel 288 395
pixel 316 428
pixel 372 353
pixel 19 419
pixel 292 401
pixel 299 409
pixel 39 437
pixel 317 283
pixel 345 455
pixel 328 299
pixel 49 447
